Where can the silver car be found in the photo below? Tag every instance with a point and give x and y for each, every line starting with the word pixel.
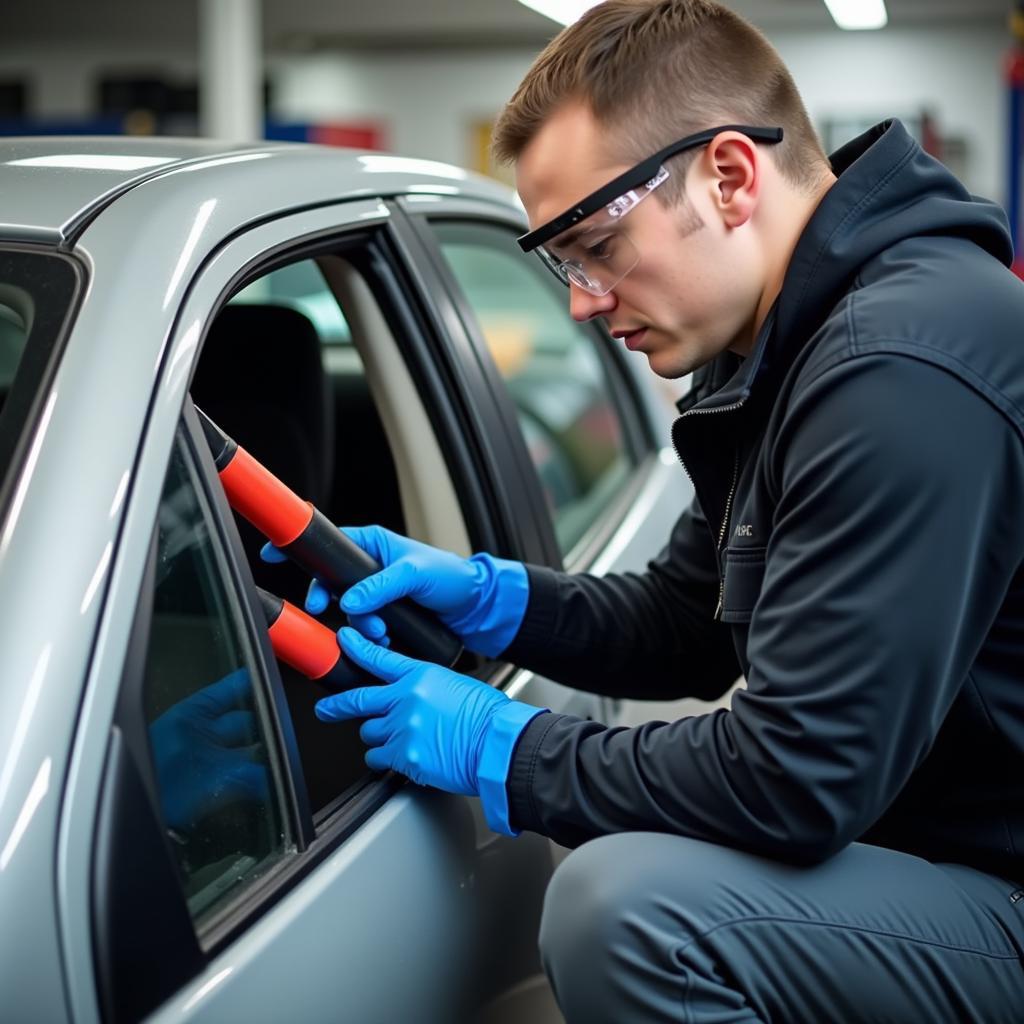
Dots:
pixel 180 838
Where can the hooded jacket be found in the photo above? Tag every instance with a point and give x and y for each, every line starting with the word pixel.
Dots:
pixel 854 550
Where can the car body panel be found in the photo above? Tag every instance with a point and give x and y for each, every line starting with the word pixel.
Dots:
pixel 79 177
pixel 305 960
pixel 53 187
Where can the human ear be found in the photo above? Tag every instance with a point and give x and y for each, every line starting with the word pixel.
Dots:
pixel 734 166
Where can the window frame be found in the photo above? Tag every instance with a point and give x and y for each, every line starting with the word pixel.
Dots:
pixel 190 442
pixel 639 442
pixel 374 250
pixel 186 944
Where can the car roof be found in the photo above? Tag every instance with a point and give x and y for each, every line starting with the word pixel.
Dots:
pixel 52 187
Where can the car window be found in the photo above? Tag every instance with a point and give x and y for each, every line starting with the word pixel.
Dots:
pixel 206 722
pixel 279 374
pixel 553 371
pixel 37 292
pixel 300 286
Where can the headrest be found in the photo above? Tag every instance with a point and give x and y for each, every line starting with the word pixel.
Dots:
pixel 261 379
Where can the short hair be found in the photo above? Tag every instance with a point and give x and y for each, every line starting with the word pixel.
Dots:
pixel 654 71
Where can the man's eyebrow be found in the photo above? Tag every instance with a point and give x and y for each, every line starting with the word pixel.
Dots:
pixel 571 235
pixel 567 238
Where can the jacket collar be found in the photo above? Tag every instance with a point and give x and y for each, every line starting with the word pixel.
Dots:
pixel 887 189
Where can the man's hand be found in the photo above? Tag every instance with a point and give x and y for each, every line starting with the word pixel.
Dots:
pixel 481 599
pixel 438 727
pixel 207 753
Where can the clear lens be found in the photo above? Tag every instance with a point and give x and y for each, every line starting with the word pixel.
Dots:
pixel 597 253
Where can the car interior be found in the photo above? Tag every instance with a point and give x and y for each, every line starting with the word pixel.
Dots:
pixel 15 307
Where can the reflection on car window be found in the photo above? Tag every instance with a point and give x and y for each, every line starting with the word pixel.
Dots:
pixel 553 372
pixel 207 731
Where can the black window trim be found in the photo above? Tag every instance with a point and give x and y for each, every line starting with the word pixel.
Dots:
pixel 501 461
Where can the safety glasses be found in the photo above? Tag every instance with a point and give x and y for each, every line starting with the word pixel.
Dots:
pixel 587 245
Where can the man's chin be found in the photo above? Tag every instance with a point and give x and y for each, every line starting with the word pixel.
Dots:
pixel 671 365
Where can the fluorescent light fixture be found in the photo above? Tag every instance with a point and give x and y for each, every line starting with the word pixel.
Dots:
pixel 858 14
pixel 565 12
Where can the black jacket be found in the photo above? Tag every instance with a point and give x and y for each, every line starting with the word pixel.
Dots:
pixel 855 550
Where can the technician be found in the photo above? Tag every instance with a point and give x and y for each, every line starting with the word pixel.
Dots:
pixel 847 842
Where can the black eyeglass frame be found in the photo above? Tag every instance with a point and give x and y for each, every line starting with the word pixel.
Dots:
pixel 643 171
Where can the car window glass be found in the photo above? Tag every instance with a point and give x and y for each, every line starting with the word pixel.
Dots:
pixel 278 374
pixel 36 292
pixel 13 334
pixel 301 286
pixel 553 371
pixel 206 723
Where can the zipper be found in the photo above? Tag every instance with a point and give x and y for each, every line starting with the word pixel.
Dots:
pixel 732 490
pixel 725 527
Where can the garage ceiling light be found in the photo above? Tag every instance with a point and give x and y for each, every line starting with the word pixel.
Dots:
pixel 565 12
pixel 858 14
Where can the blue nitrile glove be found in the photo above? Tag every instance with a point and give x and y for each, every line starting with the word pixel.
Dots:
pixel 481 599
pixel 438 727
pixel 206 752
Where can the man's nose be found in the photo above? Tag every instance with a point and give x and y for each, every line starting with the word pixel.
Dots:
pixel 583 306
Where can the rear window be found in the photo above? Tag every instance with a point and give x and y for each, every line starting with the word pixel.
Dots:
pixel 37 293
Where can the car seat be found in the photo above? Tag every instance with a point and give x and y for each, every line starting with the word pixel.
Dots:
pixel 260 377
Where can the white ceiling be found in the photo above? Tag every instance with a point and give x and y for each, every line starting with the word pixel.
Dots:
pixel 325 24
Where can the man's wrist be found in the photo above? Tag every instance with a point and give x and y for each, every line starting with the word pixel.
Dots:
pixel 503 732
pixel 500 606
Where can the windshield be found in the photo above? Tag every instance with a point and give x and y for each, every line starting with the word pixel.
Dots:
pixel 37 292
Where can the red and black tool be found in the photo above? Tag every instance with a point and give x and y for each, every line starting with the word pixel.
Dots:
pixel 307 645
pixel 316 545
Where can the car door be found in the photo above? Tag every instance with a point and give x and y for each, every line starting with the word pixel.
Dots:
pixel 322 889
pixel 590 417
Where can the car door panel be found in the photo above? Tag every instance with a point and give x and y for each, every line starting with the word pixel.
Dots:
pixel 358 939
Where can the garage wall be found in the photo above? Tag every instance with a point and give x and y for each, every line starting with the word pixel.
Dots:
pixel 955 73
pixel 429 100
pixel 62 81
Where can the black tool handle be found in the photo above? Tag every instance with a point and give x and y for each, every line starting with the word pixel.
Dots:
pixel 326 552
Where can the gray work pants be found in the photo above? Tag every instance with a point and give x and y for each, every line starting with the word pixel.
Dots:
pixel 643 927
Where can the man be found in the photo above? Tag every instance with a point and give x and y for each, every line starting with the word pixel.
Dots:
pixel 847 842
